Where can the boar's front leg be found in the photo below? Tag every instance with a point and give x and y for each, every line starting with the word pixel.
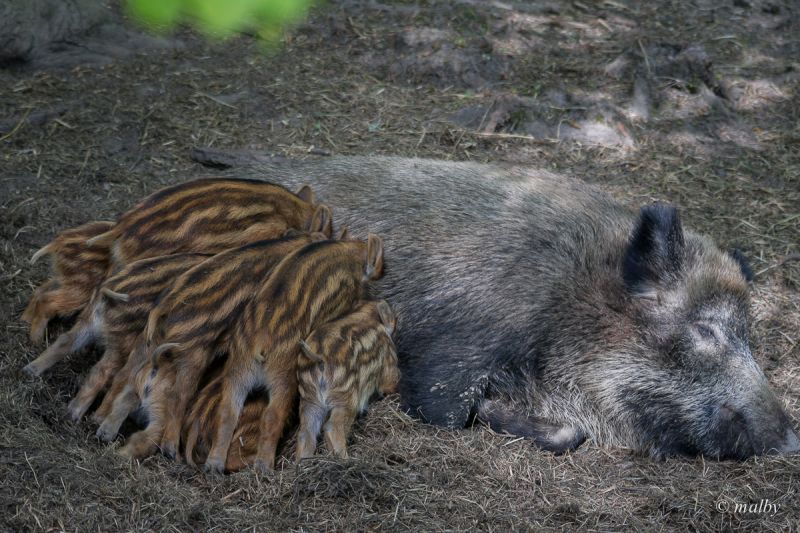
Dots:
pixel 546 435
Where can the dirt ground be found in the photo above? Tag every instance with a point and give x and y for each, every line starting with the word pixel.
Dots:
pixel 691 102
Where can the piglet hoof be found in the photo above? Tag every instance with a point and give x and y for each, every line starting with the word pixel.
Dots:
pixel 126 451
pixel 170 450
pixel 36 334
pixel 138 446
pixel 214 466
pixel 105 433
pixel 31 370
pixel 76 410
pixel 263 467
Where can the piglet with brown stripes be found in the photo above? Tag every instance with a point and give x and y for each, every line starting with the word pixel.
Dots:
pixel 78 269
pixel 314 285
pixel 115 316
pixel 343 364
pixel 185 332
pixel 199 427
pixel 209 216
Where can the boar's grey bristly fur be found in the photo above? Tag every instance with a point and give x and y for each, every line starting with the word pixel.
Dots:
pixel 545 308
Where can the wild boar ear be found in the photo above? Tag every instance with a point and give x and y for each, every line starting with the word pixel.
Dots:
pixel 374 268
pixel 744 265
pixel 344 233
pixel 306 194
pixel 388 318
pixel 311 354
pixel 656 247
pixel 322 220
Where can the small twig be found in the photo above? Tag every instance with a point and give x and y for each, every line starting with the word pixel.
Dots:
pixel 18 126
pixel 646 60
pixel 790 257
pixel 35 477
pixel 511 136
pixel 217 100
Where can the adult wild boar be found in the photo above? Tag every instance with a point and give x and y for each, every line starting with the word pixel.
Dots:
pixel 545 308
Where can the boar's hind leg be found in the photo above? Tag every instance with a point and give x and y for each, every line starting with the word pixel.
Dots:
pixel 190 367
pixel 38 312
pixel 312 416
pixel 232 397
pixel 101 374
pixel 73 340
pixel 545 434
pixel 282 393
pixel 337 428
pixel 123 404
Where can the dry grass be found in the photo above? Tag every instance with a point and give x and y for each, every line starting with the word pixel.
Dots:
pixel 83 143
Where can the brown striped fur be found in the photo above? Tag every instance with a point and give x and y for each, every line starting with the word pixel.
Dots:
pixel 359 344
pixel 209 216
pixel 130 295
pixel 78 268
pixel 318 283
pixel 199 428
pixel 114 317
pixel 342 364
pixel 187 330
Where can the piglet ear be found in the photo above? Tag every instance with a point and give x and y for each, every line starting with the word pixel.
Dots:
pixel 656 248
pixel 388 318
pixel 344 233
pixel 374 267
pixel 306 194
pixel 322 221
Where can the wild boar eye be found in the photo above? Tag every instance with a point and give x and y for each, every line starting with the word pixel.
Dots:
pixel 706 331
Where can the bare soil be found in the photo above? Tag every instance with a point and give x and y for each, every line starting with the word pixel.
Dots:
pixel 690 102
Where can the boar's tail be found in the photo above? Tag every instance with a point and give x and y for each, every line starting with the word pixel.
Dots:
pixel 152 325
pixel 113 295
pixel 42 251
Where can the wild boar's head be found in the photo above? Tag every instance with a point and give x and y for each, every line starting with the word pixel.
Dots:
pixel 690 385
